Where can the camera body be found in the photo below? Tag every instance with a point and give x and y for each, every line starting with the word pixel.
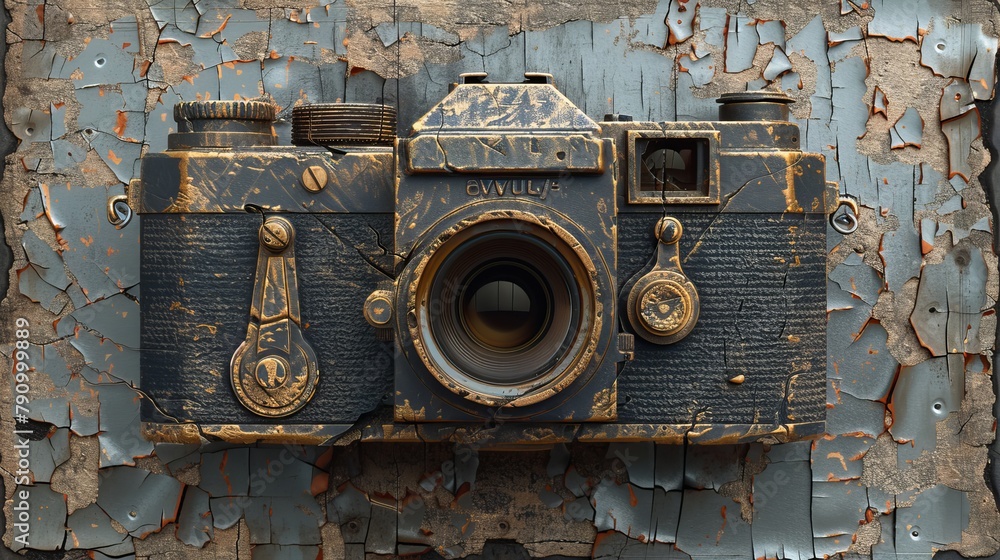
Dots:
pixel 511 269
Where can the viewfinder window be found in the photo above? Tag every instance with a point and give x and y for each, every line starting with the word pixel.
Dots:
pixel 677 166
pixel 673 166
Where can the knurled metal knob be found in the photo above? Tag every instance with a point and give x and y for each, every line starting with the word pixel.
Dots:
pixel 378 312
pixel 228 110
pixel 222 124
pixel 343 124
pixel 378 308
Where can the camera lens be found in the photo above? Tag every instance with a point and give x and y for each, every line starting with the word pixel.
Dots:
pixel 504 308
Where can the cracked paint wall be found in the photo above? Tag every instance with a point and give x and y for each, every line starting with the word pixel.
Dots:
pixel 896 94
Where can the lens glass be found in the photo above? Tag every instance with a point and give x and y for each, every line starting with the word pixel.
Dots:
pixel 506 306
pixel 503 308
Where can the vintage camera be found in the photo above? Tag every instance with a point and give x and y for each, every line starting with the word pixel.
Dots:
pixel 510 268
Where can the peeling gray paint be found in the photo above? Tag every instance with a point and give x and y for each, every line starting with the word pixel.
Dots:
pixel 194 523
pixel 781 502
pixel 960 125
pixel 946 316
pixel 141 501
pixel 711 526
pixel 48 515
pixel 935 520
pixel 924 395
pixel 907 131
pixel 90 528
pixel 956 50
pixel 741 43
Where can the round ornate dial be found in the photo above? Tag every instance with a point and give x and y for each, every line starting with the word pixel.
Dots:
pixel 664 307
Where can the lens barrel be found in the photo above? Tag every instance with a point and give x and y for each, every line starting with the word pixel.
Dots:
pixel 507 307
pixel 504 309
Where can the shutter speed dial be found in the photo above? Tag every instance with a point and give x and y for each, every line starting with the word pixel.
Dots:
pixel 663 305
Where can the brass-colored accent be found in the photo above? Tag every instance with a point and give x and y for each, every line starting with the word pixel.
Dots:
pixel 249 110
pixel 314 178
pixel 119 211
pixel 378 308
pixel 274 372
pixel 172 433
pixel 133 192
pixel 846 222
pixel 378 313
pixel 290 434
pixel 223 124
pixel 343 124
pixel 605 406
pixel 276 234
pixel 668 230
pixel 663 305
pixel 536 154
pixel 533 437
pixel 626 346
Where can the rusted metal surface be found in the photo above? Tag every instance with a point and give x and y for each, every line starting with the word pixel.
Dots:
pixel 663 306
pixel 90 85
pixel 274 371
pixel 449 204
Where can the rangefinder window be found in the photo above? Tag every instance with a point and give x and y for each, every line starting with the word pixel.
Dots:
pixel 675 166
pixel 672 167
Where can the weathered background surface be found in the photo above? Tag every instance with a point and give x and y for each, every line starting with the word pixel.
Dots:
pixel 895 93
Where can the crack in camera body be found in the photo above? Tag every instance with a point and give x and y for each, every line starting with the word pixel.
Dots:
pixel 511 272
